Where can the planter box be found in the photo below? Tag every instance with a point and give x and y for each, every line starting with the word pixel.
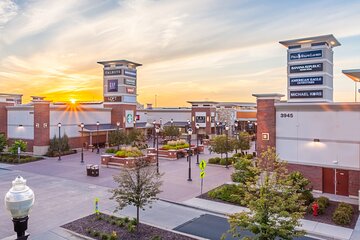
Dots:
pixel 176 154
pixel 129 162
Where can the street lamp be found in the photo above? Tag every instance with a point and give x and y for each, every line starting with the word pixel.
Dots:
pixel 157 129
pixel 154 123
pixel 117 132
pixel 59 142
pixel 19 200
pixel 227 145
pixel 197 126
pixel 172 122
pixel 217 128
pixel 82 142
pixel 189 153
pixel 134 123
pixel 97 138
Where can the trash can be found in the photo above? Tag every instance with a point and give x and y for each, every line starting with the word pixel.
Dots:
pixel 92 170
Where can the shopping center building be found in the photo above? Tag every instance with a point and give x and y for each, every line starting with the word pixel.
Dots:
pixel 40 120
pixel 315 135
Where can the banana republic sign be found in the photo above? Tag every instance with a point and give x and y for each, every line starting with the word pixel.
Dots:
pixel 305 68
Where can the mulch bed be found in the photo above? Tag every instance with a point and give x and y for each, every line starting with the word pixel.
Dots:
pixel 145 232
pixel 327 216
pixel 324 218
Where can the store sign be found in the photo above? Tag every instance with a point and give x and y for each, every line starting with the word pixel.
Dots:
pixel 112 72
pixel 129 118
pixel 130 90
pixel 305 55
pixel 112 99
pixel 306 94
pixel 200 119
pixel 299 81
pixel 130 73
pixel 113 85
pixel 311 67
pixel 131 82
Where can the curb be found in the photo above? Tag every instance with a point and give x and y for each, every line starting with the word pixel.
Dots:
pixel 78 234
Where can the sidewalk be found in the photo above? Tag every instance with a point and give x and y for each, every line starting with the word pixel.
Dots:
pixel 313 228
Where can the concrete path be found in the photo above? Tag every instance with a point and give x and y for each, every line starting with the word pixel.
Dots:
pixel 313 228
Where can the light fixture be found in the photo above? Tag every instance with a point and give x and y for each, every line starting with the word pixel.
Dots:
pixel 197 126
pixel 316 140
pixel 189 131
pixel 20 126
pixel 118 124
pixel 172 121
pixel 227 128
pixel 157 129
pixel 82 125
pixel 19 200
pixel 97 123
pixel 332 43
pixel 59 125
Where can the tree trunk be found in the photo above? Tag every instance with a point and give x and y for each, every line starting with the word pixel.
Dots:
pixel 137 217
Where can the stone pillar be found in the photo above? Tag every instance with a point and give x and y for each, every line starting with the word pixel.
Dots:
pixel 266 121
pixel 41 127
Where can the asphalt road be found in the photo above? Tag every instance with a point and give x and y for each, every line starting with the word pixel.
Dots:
pixel 212 227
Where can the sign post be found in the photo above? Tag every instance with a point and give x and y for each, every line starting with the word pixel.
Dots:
pixel 202 166
pixel 97 206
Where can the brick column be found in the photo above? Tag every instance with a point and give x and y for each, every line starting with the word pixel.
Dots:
pixel 208 111
pixel 3 117
pixel 118 112
pixel 41 127
pixel 266 121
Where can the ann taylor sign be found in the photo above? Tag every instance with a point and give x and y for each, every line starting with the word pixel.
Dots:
pixel 306 94
pixel 311 67
pixel 305 55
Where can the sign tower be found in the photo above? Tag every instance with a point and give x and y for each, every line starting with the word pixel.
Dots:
pixel 120 81
pixel 310 68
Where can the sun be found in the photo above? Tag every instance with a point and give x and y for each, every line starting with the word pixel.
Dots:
pixel 73 101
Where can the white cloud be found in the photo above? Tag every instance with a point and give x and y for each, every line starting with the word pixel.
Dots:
pixel 8 10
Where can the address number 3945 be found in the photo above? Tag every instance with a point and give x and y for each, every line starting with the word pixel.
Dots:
pixel 286 115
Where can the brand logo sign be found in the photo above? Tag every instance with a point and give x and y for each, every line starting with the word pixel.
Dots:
pixel 112 99
pixel 129 118
pixel 311 67
pixel 112 85
pixel 131 82
pixel 306 81
pixel 305 55
pixel 112 72
pixel 130 90
pixel 130 73
pixel 306 94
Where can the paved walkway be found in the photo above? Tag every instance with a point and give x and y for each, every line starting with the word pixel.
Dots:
pixel 313 228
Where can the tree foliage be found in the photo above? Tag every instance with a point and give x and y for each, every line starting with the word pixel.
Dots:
pixel 172 132
pixel 221 144
pixel 55 144
pixel 117 138
pixel 18 143
pixel 137 187
pixel 2 142
pixel 274 202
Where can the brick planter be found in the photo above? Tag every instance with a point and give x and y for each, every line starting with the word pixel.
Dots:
pixel 174 154
pixel 129 162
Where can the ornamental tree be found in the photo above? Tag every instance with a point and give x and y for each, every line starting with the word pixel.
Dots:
pixel 274 202
pixel 117 138
pixel 221 144
pixel 137 187
pixel 172 132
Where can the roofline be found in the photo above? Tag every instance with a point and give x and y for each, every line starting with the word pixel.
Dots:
pixel 119 61
pixel 202 102
pixel 327 38
pixel 351 73
pixel 11 94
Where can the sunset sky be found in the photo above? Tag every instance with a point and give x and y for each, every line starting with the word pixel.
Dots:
pixel 190 49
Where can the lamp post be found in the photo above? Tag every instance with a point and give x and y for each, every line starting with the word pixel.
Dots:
pixel 154 123
pixel 197 126
pixel 97 137
pixel 117 133
pixel 157 129
pixel 172 122
pixel 188 125
pixel 227 145
pixel 217 128
pixel 59 142
pixel 19 200
pixel 189 153
pixel 82 142
pixel 134 123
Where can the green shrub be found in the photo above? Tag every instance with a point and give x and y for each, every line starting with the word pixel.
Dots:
pixel 120 223
pixel 156 238
pixel 18 144
pixel 96 233
pixel 113 236
pixel 215 160
pixel 2 142
pixel 111 150
pixel 237 155
pixel 131 228
pixel 322 208
pixel 307 197
pixel 324 201
pixel 224 162
pixel 346 207
pixel 133 221
pixel 129 152
pixel 105 236
pixel 249 156
pixel 341 217
pixel 126 219
pixel 229 193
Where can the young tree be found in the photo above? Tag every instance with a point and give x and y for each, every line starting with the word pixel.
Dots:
pixel 117 138
pixel 172 132
pixel 242 142
pixel 136 138
pixel 2 142
pixel 220 144
pixel 274 202
pixel 138 187
pixel 18 143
